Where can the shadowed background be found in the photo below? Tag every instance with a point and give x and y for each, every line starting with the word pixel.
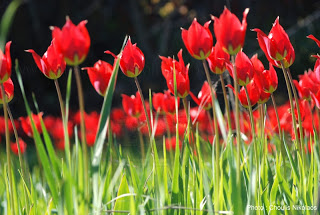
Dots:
pixel 155 26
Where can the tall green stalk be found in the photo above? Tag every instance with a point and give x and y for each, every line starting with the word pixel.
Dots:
pixel 226 102
pixel 237 115
pixel 7 134
pixel 83 133
pixel 65 124
pixel 217 141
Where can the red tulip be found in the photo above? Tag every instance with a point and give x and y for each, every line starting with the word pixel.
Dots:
pixel 218 59
pixel 229 31
pixel 204 97
pixel 244 69
pixel 9 91
pixel 276 46
pixel 253 92
pixel 132 105
pixel 198 40
pixel 5 63
pixel 14 147
pixel 26 124
pixel 164 102
pixel 168 66
pixel 266 80
pixel 131 123
pixel 51 64
pixel 100 75
pixel 131 61
pixel 304 86
pixel 72 41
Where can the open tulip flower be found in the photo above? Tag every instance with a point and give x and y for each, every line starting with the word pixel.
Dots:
pixel 229 31
pixel 218 59
pixel 72 41
pixel 198 40
pixel 276 45
pixel 9 90
pixel 244 69
pixel 51 64
pixel 168 65
pixel 5 63
pixel 100 75
pixel 132 105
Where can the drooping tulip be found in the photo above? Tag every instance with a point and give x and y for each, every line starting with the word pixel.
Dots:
pixel 5 63
pixel 100 75
pixel 51 64
pixel 72 41
pixel 198 40
pixel 276 45
pixel 169 66
pixel 229 31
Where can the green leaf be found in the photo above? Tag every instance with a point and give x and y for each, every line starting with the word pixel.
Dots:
pixel 7 20
pixel 123 202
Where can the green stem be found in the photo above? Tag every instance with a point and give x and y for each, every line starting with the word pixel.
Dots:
pixel 7 134
pixel 291 105
pixel 144 106
pixel 167 126
pixel 277 116
pixel 186 108
pixel 295 95
pixel 226 102
pixel 65 123
pixel 217 141
pixel 141 144
pixel 237 115
pixel 83 133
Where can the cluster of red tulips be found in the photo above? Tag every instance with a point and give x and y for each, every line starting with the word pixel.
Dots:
pixel 70 46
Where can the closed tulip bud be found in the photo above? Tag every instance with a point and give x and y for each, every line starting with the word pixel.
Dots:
pixel 72 41
pixel 9 91
pixel 198 40
pixel 276 45
pixel 218 59
pixel 244 69
pixel 168 67
pixel 229 31
pixel 5 64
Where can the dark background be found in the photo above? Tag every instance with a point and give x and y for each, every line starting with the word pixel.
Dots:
pixel 155 26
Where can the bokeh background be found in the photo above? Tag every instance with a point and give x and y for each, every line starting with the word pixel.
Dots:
pixel 155 26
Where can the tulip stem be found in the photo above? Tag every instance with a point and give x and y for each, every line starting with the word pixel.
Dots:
pixel 65 123
pixel 141 144
pixel 217 142
pixel 237 114
pixel 226 102
pixel 295 95
pixel 189 123
pixel 5 113
pixel 291 105
pixel 167 126
pixel 277 116
pixel 83 133
pixel 144 107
